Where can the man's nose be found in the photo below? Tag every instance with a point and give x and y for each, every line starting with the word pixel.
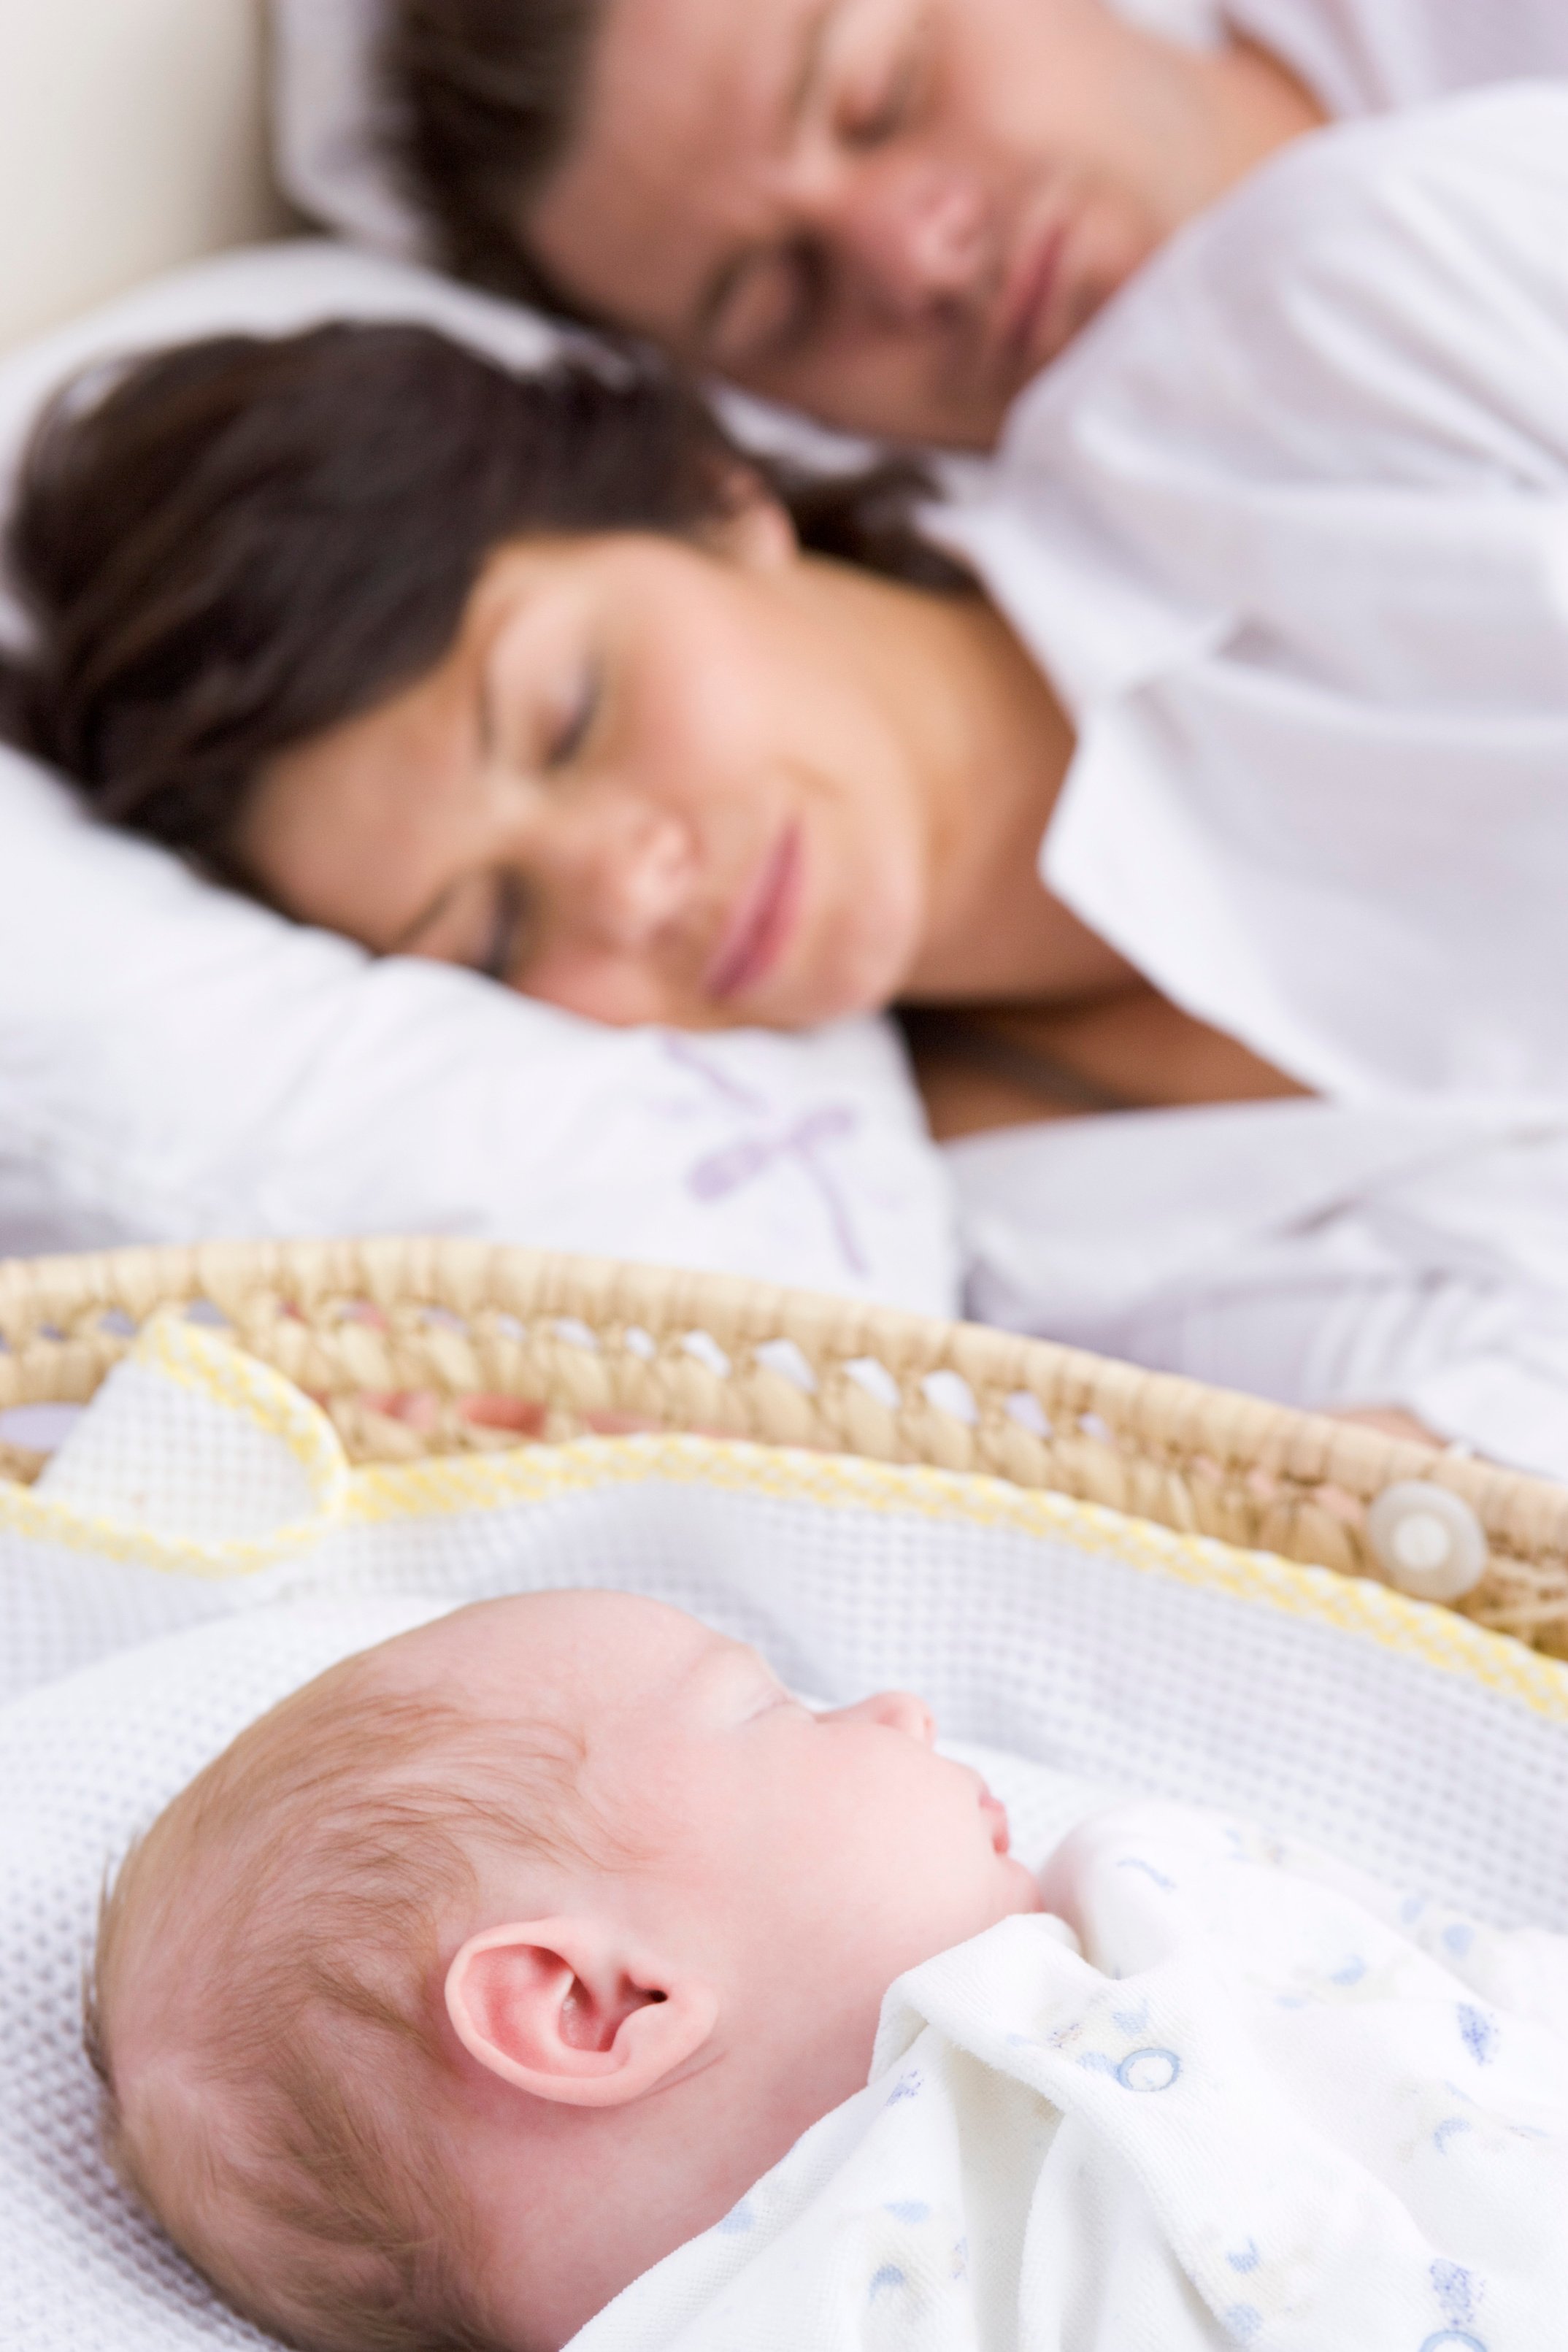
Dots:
pixel 913 231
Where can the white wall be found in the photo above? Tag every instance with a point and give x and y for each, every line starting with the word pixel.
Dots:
pixel 130 139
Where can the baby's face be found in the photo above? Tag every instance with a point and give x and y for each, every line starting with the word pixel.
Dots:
pixel 788 1864
pixel 782 1835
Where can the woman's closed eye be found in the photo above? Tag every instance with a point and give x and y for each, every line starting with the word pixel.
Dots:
pixel 508 929
pixel 573 729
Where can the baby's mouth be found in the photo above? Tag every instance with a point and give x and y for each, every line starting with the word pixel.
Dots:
pixel 995 1813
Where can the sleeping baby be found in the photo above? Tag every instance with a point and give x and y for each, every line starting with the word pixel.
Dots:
pixel 552 1969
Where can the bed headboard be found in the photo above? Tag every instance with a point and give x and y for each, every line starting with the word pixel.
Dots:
pixel 130 139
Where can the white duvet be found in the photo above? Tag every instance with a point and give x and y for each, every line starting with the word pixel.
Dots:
pixel 1256 2101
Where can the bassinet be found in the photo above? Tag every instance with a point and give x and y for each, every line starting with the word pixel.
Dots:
pixel 1069 1641
pixel 419 1347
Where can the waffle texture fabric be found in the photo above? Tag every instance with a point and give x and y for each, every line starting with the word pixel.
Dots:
pixel 200 1547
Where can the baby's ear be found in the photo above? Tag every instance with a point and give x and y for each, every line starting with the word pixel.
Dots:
pixel 563 2010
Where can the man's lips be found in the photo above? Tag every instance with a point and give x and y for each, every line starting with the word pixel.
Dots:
pixel 1027 296
pixel 759 929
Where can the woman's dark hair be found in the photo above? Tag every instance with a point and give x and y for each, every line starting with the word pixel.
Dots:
pixel 483 102
pixel 241 543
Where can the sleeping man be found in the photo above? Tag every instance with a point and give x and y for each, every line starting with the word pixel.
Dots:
pixel 524 1976
pixel 890 214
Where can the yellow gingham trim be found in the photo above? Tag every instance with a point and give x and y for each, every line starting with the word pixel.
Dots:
pixel 210 1366
pixel 450 1485
pixel 213 1368
pixel 1321 1596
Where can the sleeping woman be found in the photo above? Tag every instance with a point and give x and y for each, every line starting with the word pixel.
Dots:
pixel 540 676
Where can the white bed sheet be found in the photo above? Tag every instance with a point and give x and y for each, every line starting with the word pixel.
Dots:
pixel 1324 1255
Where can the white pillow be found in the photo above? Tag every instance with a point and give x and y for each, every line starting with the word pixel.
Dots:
pixel 329 127
pixel 176 1064
pixel 257 290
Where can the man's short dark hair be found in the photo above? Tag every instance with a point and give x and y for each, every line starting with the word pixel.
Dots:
pixel 486 100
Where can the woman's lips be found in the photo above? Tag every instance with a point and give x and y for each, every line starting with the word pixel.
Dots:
pixel 760 927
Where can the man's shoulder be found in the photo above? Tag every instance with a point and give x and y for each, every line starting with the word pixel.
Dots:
pixel 1339 284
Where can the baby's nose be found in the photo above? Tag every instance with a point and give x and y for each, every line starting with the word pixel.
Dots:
pixel 899 1711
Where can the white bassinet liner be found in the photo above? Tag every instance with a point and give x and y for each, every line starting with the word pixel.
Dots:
pixel 1083 1645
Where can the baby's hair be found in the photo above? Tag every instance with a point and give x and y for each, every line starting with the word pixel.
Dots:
pixel 286 2131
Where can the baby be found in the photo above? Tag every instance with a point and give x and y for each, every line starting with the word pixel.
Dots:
pixel 502 1959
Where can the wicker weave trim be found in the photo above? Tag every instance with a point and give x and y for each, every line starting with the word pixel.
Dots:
pixel 399 1338
pixel 439 1490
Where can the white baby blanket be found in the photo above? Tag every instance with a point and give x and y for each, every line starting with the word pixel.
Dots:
pixel 201 1546
pixel 1265 2105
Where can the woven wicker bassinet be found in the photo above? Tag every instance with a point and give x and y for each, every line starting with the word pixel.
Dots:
pixel 426 1346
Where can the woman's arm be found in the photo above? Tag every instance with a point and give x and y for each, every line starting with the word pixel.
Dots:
pixel 986 1066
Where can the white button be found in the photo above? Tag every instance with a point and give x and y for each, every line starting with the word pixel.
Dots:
pixel 1427 1541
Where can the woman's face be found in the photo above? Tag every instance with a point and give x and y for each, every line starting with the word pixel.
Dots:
pixel 652 781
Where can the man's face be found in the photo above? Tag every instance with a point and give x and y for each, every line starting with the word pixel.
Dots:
pixel 890 213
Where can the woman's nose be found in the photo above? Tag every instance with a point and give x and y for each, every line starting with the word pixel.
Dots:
pixel 897 1711
pixel 629 867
